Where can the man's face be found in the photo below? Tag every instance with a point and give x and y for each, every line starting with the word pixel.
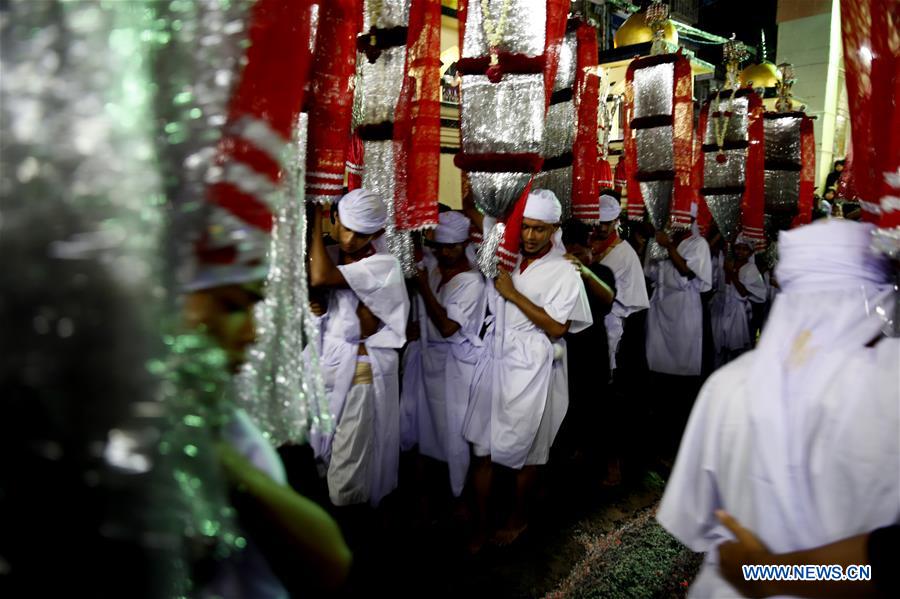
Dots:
pixel 536 235
pixel 581 252
pixel 350 241
pixel 448 254
pixel 226 314
pixel 602 231
pixel 742 252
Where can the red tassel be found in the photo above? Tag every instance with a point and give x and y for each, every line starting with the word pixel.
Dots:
pixel 585 184
pixel 807 174
pixel 753 201
pixel 508 250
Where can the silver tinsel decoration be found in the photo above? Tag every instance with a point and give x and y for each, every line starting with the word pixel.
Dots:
pixel 524 33
pixel 655 85
pixel 737 124
pixel 726 210
pixel 378 85
pixel 654 149
pixel 495 193
pixel 656 252
pixel 783 138
pixel 280 388
pixel 565 72
pixel 487 252
pixel 559 181
pixel 505 117
pixel 725 175
pixel 393 13
pixel 782 191
pixel 657 198
pixel 559 129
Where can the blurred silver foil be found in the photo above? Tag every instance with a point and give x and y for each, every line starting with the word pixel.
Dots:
pixel 525 28
pixel 505 117
pixel 495 193
pixel 654 149
pixel 653 90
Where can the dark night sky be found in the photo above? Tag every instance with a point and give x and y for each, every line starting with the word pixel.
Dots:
pixel 746 19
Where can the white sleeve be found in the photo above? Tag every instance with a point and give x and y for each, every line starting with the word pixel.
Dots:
pixel 378 283
pixel 465 306
pixel 568 301
pixel 753 281
pixel 699 261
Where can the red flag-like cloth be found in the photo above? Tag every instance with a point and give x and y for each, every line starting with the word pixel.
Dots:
pixel 331 98
pixel 263 108
pixel 508 250
pixel 585 165
pixel 682 142
pixel 604 175
pixel 417 121
pixel 629 158
pixel 753 201
pixel 807 174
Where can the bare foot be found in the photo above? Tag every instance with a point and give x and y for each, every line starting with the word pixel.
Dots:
pixel 509 534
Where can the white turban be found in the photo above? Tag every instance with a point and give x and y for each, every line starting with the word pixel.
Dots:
pixel 542 205
pixel 694 208
pixel 609 208
pixel 742 240
pixel 362 211
pixel 453 227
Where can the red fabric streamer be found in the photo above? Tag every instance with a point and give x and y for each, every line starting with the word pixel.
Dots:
pixel 557 16
pixel 872 63
pixel 356 164
pixel 635 209
pixel 508 250
pixel 807 174
pixel 620 179
pixel 585 183
pixel 417 121
pixel 683 192
pixel 331 98
pixel 604 175
pixel 265 104
pixel 753 202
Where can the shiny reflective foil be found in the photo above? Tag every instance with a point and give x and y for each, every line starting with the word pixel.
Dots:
pixel 657 199
pixel 559 129
pixel 505 117
pixel 559 181
pixel 782 191
pixel 378 175
pixel 732 172
pixel 726 211
pixel 737 124
pixel 654 149
pixel 656 252
pixel 378 85
pixel 524 33
pixel 486 257
pixel 783 139
pixel 565 72
pixel 495 193
pixel 393 13
pixel 653 91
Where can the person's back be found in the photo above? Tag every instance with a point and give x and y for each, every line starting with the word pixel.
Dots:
pixel 798 438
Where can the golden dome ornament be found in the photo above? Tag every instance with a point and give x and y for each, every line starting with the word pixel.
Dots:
pixel 759 76
pixel 636 30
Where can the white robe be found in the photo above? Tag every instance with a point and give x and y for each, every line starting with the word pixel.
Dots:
pixel 378 282
pixel 631 293
pixel 520 393
pixel 438 371
pixel 731 312
pixel 675 318
pixel 845 482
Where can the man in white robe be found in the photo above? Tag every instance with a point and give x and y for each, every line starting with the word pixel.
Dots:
pixel 363 326
pixel 798 439
pixel 616 254
pixel 743 286
pixel 438 367
pixel 520 389
pixel 675 319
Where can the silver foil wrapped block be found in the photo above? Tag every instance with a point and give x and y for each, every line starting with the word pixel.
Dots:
pixel 653 91
pixel 524 33
pixel 505 117
pixel 392 13
pixel 565 72
pixel 726 211
pixel 736 130
pixel 495 193
pixel 559 181
pixel 656 252
pixel 654 149
pixel 378 175
pixel 783 139
pixel 728 174
pixel 559 129
pixel 782 191
pixel 378 85
pixel 657 198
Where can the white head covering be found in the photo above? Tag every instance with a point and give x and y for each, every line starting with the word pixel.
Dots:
pixel 831 282
pixel 453 227
pixel 743 240
pixel 695 226
pixel 362 211
pixel 542 205
pixel 610 209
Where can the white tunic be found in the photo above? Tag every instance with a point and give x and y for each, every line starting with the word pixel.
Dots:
pixel 520 389
pixel 675 318
pixel 437 373
pixel 377 282
pixel 845 477
pixel 631 293
pixel 730 314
